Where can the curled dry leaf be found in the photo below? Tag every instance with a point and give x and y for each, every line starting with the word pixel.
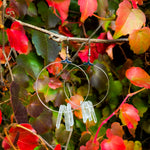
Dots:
pixel 87 8
pixel 138 77
pixel 128 19
pixel 139 40
pixel 17 31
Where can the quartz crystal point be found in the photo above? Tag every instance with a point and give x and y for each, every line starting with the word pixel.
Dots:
pixel 61 110
pixel 88 111
pixel 92 112
pixel 70 114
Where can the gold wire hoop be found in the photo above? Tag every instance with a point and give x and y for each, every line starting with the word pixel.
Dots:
pixel 67 63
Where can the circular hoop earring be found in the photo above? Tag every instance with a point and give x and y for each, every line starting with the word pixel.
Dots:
pixel 66 63
pixel 97 67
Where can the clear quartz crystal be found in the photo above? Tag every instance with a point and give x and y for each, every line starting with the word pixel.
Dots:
pixel 88 111
pixel 83 111
pixel 70 114
pixel 67 119
pixel 92 112
pixel 61 110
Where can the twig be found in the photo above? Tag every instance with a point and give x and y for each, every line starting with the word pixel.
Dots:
pixel 105 121
pixel 42 140
pixel 3 45
pixel 68 139
pixel 60 38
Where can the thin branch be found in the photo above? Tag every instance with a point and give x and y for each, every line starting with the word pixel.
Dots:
pixel 60 38
pixel 68 139
pixel 105 121
pixel 3 37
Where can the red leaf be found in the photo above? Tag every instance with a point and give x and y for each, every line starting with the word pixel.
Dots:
pixel 17 38
pixel 138 77
pixel 83 54
pixel 56 67
pixel 7 51
pixel 54 83
pixel 101 47
pixel 65 31
pixel 58 147
pixel 26 140
pixel 128 19
pixel 90 145
pixel 129 116
pixel 62 6
pixel 0 117
pixel 87 8
pixel 113 143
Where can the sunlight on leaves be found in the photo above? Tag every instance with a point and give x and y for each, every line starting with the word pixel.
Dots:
pixel 138 77
pixel 21 44
pixel 139 40
pixel 129 116
pixel 128 19
pixel 87 8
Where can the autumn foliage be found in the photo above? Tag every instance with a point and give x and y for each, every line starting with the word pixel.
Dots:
pixel 55 52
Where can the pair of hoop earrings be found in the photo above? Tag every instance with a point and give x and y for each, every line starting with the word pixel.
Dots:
pixel 87 107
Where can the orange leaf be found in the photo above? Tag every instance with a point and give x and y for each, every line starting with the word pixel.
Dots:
pixel 62 6
pixel 75 102
pixel 138 77
pixel 128 19
pixel 116 129
pixel 87 8
pixel 7 51
pixel 139 40
pixel 56 67
pixel 129 116
pixel 129 145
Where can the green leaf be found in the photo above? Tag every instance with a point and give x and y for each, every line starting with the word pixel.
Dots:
pixel 43 122
pixel 115 88
pixel 106 111
pixel 52 20
pixel 45 47
pixel 31 64
pixel 42 10
pixel 61 134
pixel 47 15
pixel 32 11
pixel 140 105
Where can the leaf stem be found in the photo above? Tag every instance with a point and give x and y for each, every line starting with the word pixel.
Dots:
pixel 105 121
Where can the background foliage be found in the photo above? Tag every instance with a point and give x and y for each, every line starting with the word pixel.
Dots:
pixel 25 50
